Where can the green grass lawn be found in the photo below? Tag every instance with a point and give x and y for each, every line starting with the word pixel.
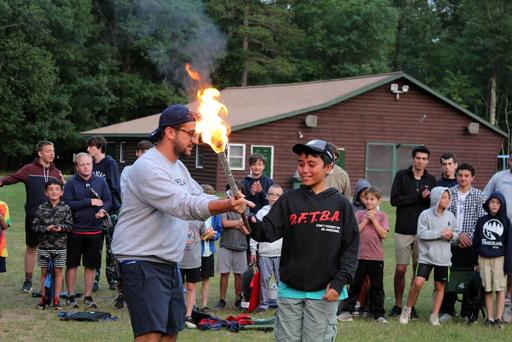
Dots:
pixel 20 321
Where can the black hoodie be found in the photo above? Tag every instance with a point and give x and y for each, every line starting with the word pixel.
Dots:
pixel 493 234
pixel 320 238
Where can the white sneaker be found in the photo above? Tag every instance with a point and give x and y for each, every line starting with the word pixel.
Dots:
pixel 405 316
pixel 382 320
pixel 189 323
pixel 445 317
pixel 345 316
pixel 434 319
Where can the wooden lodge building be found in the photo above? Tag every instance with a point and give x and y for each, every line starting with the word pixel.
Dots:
pixel 375 120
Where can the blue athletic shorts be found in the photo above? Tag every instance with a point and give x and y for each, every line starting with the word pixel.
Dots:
pixel 154 295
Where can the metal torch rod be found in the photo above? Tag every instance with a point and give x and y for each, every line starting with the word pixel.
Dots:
pixel 232 183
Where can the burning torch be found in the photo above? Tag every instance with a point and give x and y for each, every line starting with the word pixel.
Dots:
pixel 214 130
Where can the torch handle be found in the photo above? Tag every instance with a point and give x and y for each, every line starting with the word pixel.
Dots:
pixel 232 184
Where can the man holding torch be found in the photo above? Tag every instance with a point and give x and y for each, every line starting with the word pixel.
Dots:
pixel 149 239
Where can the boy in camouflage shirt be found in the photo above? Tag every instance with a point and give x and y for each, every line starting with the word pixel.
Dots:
pixel 53 220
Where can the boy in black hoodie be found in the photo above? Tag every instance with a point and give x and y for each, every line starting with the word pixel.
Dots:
pixel 320 248
pixel 492 241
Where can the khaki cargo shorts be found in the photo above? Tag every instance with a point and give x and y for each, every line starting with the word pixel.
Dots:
pixel 492 274
pixel 405 246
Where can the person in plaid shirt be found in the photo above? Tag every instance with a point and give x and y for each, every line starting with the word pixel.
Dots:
pixel 467 206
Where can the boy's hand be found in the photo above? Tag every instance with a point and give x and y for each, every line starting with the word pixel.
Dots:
pixel 425 193
pixel 447 234
pixel 50 228
pixel 371 215
pixel 476 268
pixel 464 240
pixel 100 214
pixel 256 188
pixel 96 202
pixel 241 227
pixel 208 234
pixel 330 295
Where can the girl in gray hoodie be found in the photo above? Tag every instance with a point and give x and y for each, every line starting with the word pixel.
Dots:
pixel 436 229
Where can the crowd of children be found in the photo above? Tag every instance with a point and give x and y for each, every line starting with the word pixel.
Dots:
pixel 343 240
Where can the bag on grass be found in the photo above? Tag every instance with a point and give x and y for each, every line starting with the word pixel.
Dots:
pixel 86 316
pixel 473 293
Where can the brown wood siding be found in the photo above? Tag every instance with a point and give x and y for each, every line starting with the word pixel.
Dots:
pixel 206 175
pixel 376 116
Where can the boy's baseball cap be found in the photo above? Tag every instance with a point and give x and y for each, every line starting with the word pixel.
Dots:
pixel 173 115
pixel 316 146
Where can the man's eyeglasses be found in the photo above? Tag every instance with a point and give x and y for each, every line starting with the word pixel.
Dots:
pixel 190 133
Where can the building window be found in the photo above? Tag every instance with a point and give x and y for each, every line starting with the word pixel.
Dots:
pixel 236 156
pixel 122 151
pixel 383 160
pixel 199 157
pixel 268 152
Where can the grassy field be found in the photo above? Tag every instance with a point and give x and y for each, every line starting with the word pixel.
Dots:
pixel 21 321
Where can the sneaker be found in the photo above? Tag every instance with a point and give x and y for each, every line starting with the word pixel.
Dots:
pixel 205 309
pixel 56 304
pixel 119 302
pixel 434 319
pixel 95 287
pixel 27 286
pixel 396 311
pixel 71 301
pixel 345 316
pixel 414 315
pixel 189 323
pixel 238 303
pixel 382 320
pixel 40 304
pixel 445 317
pixel 405 316
pixel 221 304
pixel 498 323
pixel 488 322
pixel 88 301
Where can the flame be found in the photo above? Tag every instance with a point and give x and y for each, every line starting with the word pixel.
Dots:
pixel 211 125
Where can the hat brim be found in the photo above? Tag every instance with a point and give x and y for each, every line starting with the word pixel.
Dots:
pixel 153 136
pixel 300 148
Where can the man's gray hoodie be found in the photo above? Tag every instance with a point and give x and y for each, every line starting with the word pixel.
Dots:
pixel 433 249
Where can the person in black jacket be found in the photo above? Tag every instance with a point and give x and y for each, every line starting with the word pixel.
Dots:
pixel 410 194
pixel 492 241
pixel 89 199
pixel 320 248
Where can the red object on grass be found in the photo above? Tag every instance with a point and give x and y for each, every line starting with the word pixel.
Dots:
pixel 255 292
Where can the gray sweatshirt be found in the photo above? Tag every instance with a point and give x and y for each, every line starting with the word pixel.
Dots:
pixel 160 196
pixel 502 182
pixel 433 249
pixel 192 256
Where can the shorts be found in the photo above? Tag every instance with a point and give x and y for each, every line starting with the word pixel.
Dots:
pixel 231 261
pixel 43 256
pixel 492 274
pixel 440 272
pixel 31 237
pixel 88 246
pixel 405 246
pixel 305 320
pixel 154 295
pixel 3 268
pixel 191 275
pixel 207 267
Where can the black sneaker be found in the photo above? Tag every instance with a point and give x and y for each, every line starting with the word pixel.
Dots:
pixel 27 286
pixel 498 324
pixel 488 322
pixel 414 314
pixel 189 323
pixel 95 287
pixel 88 301
pixel 205 309
pixel 396 311
pixel 221 304
pixel 119 302
pixel 238 303
pixel 71 301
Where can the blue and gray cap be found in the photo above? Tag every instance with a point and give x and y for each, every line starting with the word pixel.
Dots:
pixel 316 146
pixel 173 115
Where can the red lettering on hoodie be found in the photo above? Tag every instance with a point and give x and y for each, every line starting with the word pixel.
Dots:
pixel 293 219
pixel 335 216
pixel 314 216
pixel 302 218
pixel 325 215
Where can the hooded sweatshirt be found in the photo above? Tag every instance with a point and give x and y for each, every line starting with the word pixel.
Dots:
pixel 433 249
pixel 361 185
pixel 266 249
pixel 107 168
pixel 78 195
pixel 493 234
pixel 34 176
pixel 320 238
pixel 260 199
